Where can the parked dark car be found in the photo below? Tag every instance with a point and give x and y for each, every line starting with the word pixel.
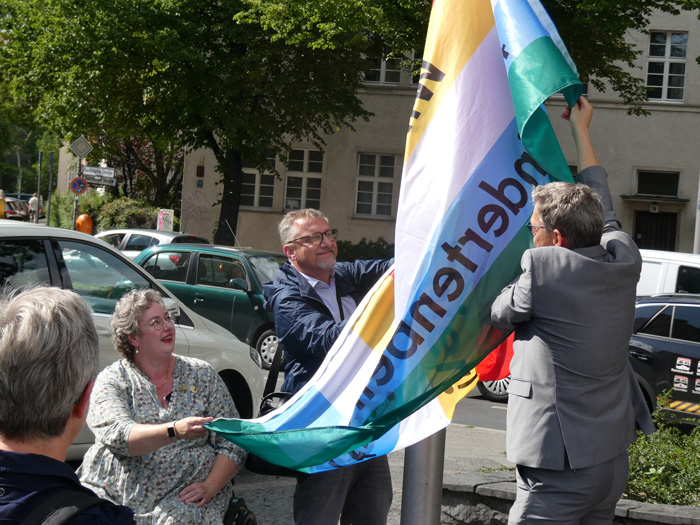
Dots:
pixel 665 352
pixel 222 284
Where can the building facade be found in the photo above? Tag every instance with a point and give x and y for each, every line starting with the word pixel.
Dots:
pixel 355 179
pixel 653 162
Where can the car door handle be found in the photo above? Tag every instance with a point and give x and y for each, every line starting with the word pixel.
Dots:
pixel 640 355
pixel 198 298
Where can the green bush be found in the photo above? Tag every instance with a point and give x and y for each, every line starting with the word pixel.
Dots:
pixel 61 210
pixel 129 213
pixel 63 207
pixel 105 211
pixel 379 249
pixel 665 466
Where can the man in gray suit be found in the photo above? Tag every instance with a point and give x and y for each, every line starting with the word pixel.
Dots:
pixel 573 402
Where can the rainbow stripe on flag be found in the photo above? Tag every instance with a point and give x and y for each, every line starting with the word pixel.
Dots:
pixel 407 354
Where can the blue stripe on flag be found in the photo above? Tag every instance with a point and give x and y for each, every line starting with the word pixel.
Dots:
pixel 496 169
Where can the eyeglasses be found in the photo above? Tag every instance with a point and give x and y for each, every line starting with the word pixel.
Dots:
pixel 315 238
pixel 157 323
pixel 533 228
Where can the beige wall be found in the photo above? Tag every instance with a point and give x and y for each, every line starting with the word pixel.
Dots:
pixel 385 133
pixel 666 140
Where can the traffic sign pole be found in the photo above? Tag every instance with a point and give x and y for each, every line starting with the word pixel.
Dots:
pixel 81 148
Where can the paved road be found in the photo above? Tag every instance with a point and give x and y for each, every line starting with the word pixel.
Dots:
pixel 467 449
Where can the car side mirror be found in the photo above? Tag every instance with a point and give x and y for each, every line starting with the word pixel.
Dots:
pixel 238 284
pixel 171 307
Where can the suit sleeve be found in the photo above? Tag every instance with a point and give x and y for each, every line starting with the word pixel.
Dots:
pixel 596 178
pixel 514 304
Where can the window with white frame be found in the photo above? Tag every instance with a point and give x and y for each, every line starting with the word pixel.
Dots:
pixel 257 190
pixel 383 71
pixel 303 188
pixel 375 184
pixel 666 66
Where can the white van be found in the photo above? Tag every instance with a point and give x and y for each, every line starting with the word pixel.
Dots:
pixel 669 272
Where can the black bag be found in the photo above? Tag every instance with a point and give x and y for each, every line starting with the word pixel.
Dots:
pixel 270 401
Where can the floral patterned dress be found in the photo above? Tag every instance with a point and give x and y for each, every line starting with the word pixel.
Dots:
pixel 149 484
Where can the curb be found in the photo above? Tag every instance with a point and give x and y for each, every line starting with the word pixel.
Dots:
pixel 486 498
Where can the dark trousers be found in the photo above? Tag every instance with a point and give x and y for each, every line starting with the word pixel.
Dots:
pixel 359 495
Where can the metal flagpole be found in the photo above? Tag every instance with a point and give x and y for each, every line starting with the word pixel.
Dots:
pixel 696 240
pixel 423 467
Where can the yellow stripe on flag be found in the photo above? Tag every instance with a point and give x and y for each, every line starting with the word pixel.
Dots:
pixel 375 325
pixel 451 42
pixel 450 397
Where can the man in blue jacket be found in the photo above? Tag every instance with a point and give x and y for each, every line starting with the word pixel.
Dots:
pixel 311 298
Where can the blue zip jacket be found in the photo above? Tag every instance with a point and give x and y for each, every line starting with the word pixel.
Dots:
pixel 303 323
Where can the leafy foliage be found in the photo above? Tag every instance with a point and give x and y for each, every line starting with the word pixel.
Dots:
pixel 379 249
pixel 148 80
pixel 595 34
pixel 105 211
pixel 665 466
pixel 61 210
pixel 127 213
pixel 184 74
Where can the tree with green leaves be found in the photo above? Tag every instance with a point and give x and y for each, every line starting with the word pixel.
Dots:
pixel 191 73
pixel 242 77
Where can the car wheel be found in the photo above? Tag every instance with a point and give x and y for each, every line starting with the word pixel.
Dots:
pixel 495 390
pixel 266 347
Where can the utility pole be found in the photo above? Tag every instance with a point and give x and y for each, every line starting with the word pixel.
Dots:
pixel 48 201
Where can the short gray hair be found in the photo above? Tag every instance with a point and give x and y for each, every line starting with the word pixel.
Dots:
pixel 574 209
pixel 49 352
pixel 127 316
pixel 288 230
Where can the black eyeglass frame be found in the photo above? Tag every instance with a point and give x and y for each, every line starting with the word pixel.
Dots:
pixel 332 234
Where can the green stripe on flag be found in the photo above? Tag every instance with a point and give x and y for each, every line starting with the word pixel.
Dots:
pixel 455 352
pixel 538 72
pixel 295 448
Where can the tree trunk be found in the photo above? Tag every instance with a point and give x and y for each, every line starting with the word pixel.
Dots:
pixel 230 198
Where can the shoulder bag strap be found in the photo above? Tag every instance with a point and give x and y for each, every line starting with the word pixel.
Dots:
pixel 271 384
pixel 60 507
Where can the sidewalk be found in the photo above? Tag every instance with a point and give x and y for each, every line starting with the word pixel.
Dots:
pixel 466 450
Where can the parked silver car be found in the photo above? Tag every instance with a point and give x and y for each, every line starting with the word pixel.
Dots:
pixel 31 254
pixel 133 241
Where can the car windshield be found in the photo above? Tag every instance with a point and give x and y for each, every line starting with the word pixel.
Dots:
pixel 98 276
pixel 265 266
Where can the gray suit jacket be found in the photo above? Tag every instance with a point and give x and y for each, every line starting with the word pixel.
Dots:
pixel 572 391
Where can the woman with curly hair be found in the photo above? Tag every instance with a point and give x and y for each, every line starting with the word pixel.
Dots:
pixel 152 452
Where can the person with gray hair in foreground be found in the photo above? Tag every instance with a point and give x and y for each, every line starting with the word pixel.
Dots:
pixel 48 364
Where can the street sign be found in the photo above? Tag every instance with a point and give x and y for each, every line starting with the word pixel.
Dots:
pixel 81 147
pixel 99 175
pixel 78 185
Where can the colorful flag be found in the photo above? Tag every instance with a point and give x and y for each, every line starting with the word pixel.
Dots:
pixel 408 352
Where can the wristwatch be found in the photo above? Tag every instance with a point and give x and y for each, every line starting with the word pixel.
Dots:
pixel 171 431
